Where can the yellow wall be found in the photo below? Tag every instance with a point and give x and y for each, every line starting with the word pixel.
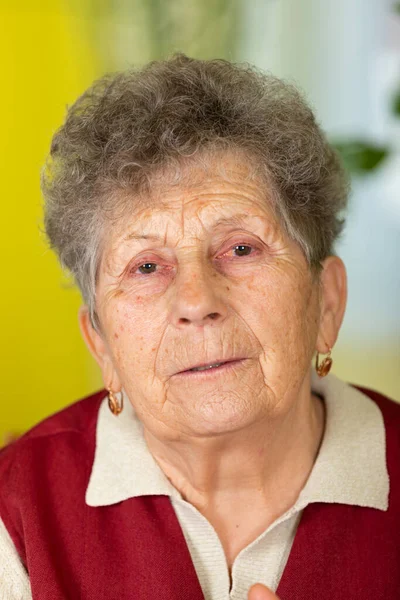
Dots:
pixel 46 61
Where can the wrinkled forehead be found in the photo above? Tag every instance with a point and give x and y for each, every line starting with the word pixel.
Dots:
pixel 229 166
pixel 192 195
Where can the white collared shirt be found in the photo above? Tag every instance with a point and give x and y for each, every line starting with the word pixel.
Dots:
pixel 350 469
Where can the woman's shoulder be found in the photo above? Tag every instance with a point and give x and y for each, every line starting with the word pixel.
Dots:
pixel 78 419
pixel 45 472
pixel 390 408
pixel 390 411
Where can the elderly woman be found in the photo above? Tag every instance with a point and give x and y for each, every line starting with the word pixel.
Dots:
pixel 197 204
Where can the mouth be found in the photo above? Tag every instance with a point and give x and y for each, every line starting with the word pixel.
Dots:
pixel 211 368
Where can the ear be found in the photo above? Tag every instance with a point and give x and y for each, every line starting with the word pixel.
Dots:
pixel 333 297
pixel 99 350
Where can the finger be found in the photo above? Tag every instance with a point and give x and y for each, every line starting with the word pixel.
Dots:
pixel 259 591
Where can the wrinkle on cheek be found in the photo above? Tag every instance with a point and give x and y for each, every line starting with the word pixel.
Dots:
pixel 288 298
pixel 106 304
pixel 159 346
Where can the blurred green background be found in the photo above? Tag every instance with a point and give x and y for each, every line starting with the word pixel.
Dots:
pixel 346 57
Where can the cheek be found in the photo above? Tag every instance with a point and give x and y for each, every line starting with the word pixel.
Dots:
pixel 133 341
pixel 287 335
pixel 283 311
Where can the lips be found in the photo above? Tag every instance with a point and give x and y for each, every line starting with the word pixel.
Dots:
pixel 219 361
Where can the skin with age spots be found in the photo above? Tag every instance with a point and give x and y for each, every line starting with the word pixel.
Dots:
pixel 215 277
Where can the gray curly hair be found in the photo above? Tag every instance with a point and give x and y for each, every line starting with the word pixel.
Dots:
pixel 129 125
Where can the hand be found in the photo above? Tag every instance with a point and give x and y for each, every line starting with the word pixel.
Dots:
pixel 258 591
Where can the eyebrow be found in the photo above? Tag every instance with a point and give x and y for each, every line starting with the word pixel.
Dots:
pixel 239 219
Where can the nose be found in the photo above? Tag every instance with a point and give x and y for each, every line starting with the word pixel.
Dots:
pixel 197 300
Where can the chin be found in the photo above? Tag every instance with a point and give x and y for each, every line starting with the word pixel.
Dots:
pixel 221 418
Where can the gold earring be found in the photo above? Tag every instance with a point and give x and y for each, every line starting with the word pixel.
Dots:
pixel 324 368
pixel 113 404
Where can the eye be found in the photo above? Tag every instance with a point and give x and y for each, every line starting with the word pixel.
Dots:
pixel 147 268
pixel 242 249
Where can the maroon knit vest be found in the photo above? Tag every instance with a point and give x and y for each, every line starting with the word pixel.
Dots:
pixel 136 549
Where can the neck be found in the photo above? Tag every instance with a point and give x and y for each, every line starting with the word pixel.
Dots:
pixel 268 463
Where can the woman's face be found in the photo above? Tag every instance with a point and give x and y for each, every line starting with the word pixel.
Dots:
pixel 205 274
